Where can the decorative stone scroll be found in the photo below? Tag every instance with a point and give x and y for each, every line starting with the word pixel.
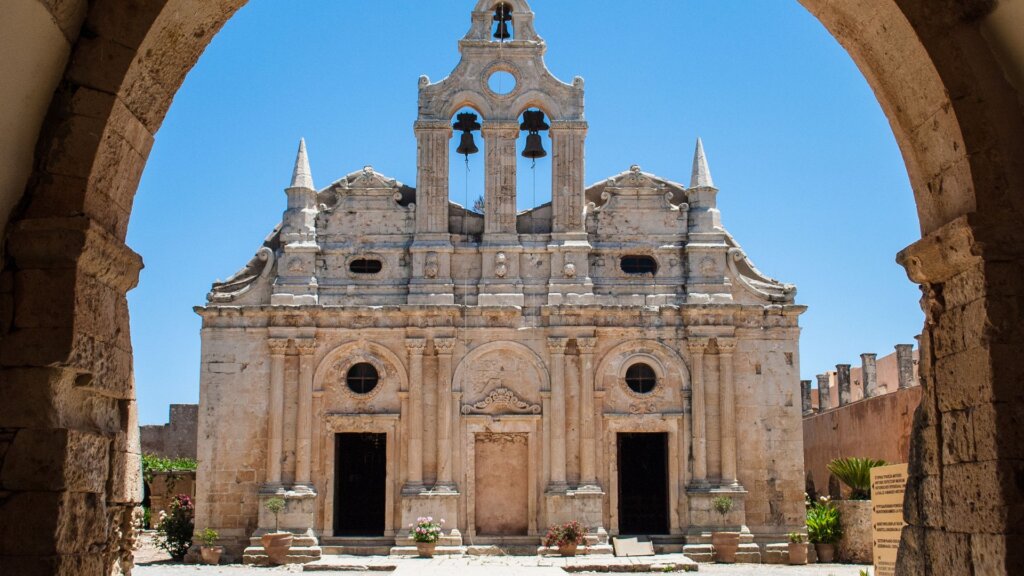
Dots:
pixel 501 401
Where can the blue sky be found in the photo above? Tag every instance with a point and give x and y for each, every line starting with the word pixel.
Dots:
pixel 812 182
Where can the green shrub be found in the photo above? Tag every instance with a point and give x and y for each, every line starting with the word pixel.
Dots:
pixel 722 504
pixel 209 537
pixel 152 463
pixel 275 506
pixel 174 532
pixel 855 473
pixel 823 523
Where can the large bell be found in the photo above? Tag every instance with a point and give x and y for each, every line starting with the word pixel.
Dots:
pixel 467 145
pixel 502 15
pixel 534 148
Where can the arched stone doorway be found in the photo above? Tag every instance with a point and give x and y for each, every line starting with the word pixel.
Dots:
pixel 948 77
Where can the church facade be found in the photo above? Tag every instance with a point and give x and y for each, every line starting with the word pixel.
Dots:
pixel 612 357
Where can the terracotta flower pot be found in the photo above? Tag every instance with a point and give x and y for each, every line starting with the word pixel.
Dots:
pixel 568 549
pixel 798 552
pixel 826 552
pixel 426 549
pixel 277 545
pixel 211 554
pixel 726 544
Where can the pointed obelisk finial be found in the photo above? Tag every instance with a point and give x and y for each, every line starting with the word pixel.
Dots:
pixel 302 177
pixel 701 176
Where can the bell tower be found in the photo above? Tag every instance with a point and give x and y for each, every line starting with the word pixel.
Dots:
pixel 501 39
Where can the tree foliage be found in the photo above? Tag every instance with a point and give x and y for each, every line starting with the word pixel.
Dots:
pixel 855 473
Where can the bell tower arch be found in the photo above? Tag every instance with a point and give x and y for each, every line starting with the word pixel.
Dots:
pixel 501 39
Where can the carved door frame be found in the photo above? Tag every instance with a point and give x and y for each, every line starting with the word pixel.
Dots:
pixel 506 424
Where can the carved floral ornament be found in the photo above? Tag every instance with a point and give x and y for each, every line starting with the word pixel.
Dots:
pixel 501 401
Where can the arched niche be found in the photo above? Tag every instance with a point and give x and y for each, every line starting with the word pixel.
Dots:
pixel 329 379
pixel 673 377
pixel 502 364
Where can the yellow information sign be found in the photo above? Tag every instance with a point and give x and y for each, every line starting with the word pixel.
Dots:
pixel 887 486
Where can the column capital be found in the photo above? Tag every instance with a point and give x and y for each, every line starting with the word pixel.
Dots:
pixel 586 345
pixel 416 345
pixel 557 345
pixel 278 346
pixel 726 346
pixel 433 126
pixel 305 346
pixel 499 128
pixel 569 125
pixel 444 345
pixel 697 345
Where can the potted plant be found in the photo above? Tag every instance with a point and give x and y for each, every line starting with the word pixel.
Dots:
pixel 823 528
pixel 276 543
pixel 566 537
pixel 426 533
pixel 797 548
pixel 209 551
pixel 725 543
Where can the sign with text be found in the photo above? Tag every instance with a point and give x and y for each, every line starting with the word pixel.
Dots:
pixel 887 486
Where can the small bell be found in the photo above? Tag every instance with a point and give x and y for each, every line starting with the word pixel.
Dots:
pixel 467 124
pixel 533 122
pixel 502 15
pixel 466 145
pixel 534 148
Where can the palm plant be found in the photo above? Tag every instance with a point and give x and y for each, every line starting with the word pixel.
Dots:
pixel 823 523
pixel 855 473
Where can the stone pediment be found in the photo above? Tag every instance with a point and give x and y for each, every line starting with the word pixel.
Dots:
pixel 367 189
pixel 639 189
pixel 501 401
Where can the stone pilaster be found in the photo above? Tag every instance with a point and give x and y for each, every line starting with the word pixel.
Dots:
pixel 500 185
pixel 824 393
pixel 905 365
pixel 304 421
pixel 275 404
pixel 727 409
pixel 696 347
pixel 431 250
pixel 414 465
pixel 444 347
pixel 556 347
pixel 588 440
pixel 567 173
pixel 805 398
pixel 869 374
pixel 843 382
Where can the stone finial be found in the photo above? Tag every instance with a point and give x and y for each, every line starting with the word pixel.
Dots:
pixel 302 176
pixel 905 364
pixel 824 394
pixel 843 382
pixel 869 374
pixel 701 176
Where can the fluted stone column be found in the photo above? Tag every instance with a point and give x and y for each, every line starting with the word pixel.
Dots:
pixel 556 347
pixel 805 397
pixel 304 421
pixel 727 409
pixel 696 347
pixel 443 347
pixel 824 394
pixel 275 403
pixel 905 365
pixel 588 440
pixel 414 465
pixel 869 374
pixel 843 381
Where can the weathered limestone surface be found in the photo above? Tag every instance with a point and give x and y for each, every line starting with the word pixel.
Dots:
pixel 177 438
pixel 947 76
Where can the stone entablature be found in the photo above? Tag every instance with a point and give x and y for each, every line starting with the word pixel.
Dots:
pixel 497 361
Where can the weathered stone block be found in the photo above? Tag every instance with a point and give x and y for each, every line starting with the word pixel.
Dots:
pixel 56 459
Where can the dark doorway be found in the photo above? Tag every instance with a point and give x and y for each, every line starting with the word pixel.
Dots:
pixel 643 483
pixel 360 474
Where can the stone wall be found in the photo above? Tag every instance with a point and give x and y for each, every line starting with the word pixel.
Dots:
pixel 177 438
pixel 878 427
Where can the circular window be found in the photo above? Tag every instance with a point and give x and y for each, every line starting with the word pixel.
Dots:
pixel 362 378
pixel 641 378
pixel 501 82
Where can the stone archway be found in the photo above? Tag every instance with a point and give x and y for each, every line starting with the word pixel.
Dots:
pixel 946 74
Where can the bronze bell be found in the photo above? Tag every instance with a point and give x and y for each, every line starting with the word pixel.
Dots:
pixel 467 124
pixel 533 122
pixel 534 148
pixel 502 15
pixel 466 145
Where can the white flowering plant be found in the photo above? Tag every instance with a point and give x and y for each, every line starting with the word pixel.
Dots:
pixel 426 530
